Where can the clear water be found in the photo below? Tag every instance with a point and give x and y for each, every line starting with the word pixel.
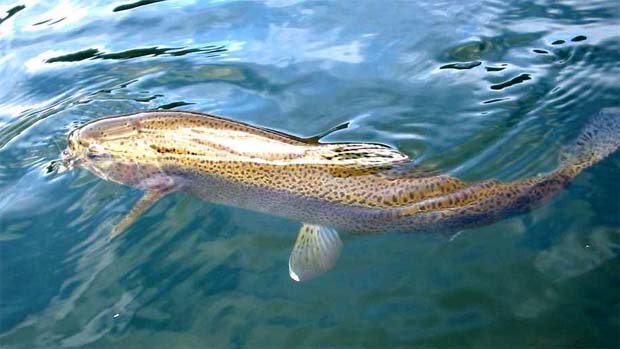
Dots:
pixel 478 89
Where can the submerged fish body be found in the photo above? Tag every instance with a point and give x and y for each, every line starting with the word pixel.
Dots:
pixel 356 187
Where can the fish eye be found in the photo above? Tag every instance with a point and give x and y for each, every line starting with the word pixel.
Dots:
pixel 95 148
pixel 96 152
pixel 98 156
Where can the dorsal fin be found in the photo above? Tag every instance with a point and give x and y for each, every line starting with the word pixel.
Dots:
pixel 411 170
pixel 316 138
pixel 358 155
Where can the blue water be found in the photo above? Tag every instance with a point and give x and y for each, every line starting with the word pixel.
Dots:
pixel 478 89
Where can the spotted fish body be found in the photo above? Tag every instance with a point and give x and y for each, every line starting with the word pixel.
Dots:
pixel 356 187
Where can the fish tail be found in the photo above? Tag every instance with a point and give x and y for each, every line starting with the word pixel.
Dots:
pixel 598 139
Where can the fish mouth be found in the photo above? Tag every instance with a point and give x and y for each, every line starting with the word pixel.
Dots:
pixel 79 152
pixel 69 160
pixel 84 152
pixel 71 156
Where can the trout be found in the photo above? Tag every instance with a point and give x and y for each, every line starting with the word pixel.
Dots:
pixel 328 187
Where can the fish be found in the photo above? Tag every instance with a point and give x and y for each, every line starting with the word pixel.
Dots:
pixel 363 188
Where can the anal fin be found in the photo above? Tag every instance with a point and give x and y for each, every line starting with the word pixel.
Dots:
pixel 149 198
pixel 316 251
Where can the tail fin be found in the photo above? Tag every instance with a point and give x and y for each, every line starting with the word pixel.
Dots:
pixel 600 138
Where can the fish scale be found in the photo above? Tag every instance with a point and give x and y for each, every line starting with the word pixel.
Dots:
pixel 356 187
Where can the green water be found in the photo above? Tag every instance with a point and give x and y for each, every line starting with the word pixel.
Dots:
pixel 476 89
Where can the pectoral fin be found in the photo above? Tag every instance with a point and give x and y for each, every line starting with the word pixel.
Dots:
pixel 142 205
pixel 316 250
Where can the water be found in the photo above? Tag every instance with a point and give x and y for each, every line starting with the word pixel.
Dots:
pixel 481 89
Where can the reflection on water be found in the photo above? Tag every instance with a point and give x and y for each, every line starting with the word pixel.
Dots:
pixel 93 53
pixel 11 12
pixel 134 5
pixel 483 89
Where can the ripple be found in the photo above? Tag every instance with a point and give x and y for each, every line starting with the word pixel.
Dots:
pixel 174 105
pixel 155 51
pixel 75 56
pixel 516 80
pixel 41 22
pixel 495 100
pixel 135 4
pixel 578 38
pixel 11 12
pixel 461 66
pixel 494 69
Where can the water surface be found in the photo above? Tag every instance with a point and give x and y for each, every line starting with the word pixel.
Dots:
pixel 477 89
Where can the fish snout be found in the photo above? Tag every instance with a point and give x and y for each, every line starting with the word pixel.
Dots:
pixel 74 146
pixel 101 136
pixel 78 145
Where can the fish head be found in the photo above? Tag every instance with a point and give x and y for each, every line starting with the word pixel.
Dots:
pixel 113 149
